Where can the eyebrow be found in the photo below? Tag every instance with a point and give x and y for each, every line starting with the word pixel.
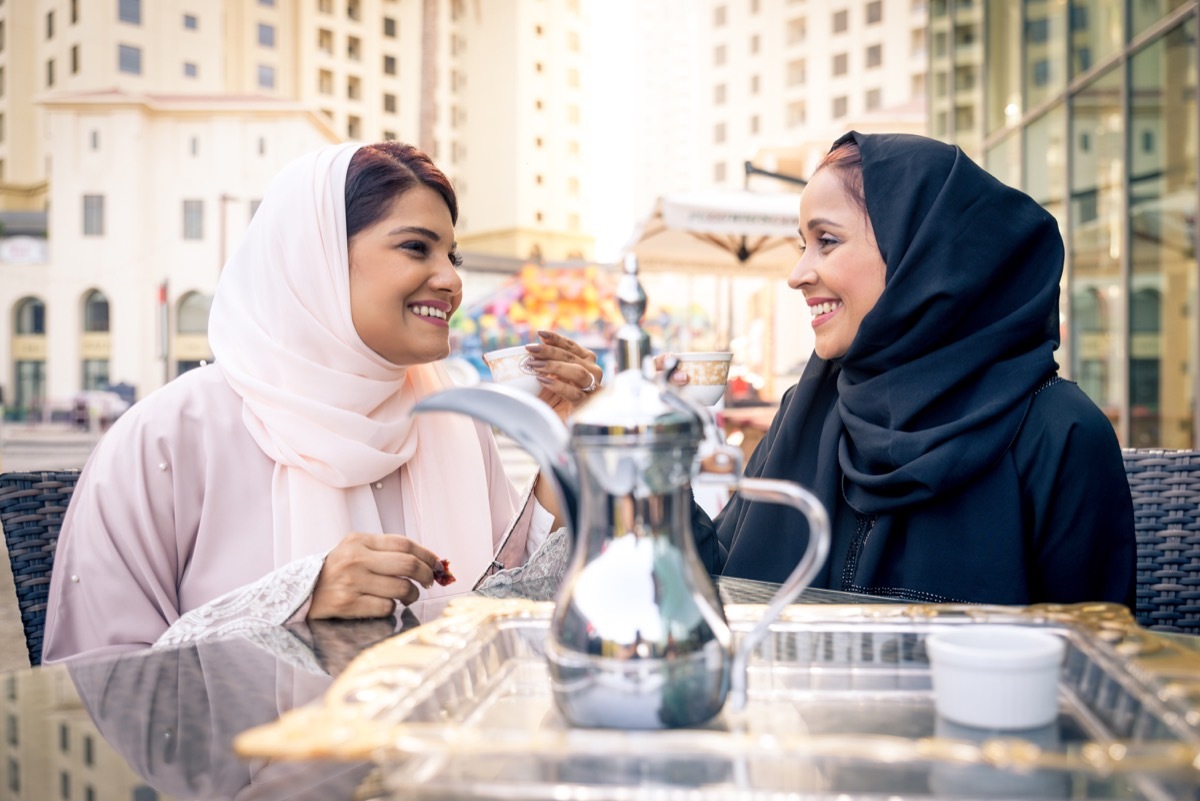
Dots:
pixel 816 222
pixel 415 229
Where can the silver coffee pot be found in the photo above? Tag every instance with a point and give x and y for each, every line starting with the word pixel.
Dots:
pixel 639 639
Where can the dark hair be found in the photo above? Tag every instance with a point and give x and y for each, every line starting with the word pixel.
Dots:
pixel 845 159
pixel 380 173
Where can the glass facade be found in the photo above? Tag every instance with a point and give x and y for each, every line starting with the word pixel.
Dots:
pixel 1090 106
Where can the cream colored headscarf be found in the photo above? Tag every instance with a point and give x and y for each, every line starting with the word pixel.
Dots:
pixel 333 414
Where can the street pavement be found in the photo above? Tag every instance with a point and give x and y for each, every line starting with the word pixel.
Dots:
pixel 59 447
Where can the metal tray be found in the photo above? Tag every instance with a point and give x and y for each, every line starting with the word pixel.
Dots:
pixel 841 707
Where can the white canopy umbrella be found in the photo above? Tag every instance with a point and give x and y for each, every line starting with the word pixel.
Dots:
pixel 727 232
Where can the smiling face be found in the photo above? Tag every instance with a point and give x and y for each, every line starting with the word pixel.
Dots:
pixel 404 283
pixel 840 271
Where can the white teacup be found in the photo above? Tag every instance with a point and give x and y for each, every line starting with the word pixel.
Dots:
pixel 707 374
pixel 510 366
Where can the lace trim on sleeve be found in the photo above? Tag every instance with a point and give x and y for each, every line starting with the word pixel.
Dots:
pixel 270 601
pixel 538 578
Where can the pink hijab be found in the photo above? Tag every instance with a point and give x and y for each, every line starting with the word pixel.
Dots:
pixel 334 415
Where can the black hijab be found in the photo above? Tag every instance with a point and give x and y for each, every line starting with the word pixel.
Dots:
pixel 935 385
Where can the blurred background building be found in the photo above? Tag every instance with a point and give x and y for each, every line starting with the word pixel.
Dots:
pixel 136 138
pixel 1090 106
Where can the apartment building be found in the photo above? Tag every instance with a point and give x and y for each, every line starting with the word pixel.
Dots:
pixel 771 82
pixel 144 131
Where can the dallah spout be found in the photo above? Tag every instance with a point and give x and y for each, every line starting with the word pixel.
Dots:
pixel 528 421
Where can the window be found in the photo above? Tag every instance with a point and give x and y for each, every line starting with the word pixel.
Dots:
pixel 13 731
pixel 841 21
pixel 718 16
pixel 189 70
pixel 719 133
pixel 325 6
pixel 95 140
pixel 754 43
pixel 719 55
pixel 74 11
pixel 389 103
pixel 797 30
pixel 93 215
pixel 389 65
pixel 839 107
pixel 390 136
pixel 129 59
pixel 354 48
pixel 353 88
pixel 754 124
pixel 325 82
pixel 89 753
pixel 193 219
pixel 719 94
pixel 262 145
pixel 31 318
pixel 64 738
pixel 266 76
pixel 190 23
pixel 14 775
pixel 389 27
pixel 266 35
pixel 839 64
pixel 352 10
pixel 254 204
pixel 1 36
pixel 874 99
pixel 130 11
pixel 1 81
pixel 325 41
pixel 74 59
pixel 719 172
pixel 64 785
pixel 193 313
pixel 50 72
pixel 49 24
pixel 268 3
pixel 874 12
pixel 353 127
pixel 194 146
pixel 754 84
pixel 874 55
pixel 796 72
pixel 95 319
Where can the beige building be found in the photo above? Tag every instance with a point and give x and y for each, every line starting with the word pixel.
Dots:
pixel 51 748
pixel 144 131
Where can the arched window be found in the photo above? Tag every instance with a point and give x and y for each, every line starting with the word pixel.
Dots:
pixel 95 312
pixel 1147 311
pixel 193 313
pixel 30 317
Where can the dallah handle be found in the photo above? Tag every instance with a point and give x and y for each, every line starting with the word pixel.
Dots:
pixel 791 494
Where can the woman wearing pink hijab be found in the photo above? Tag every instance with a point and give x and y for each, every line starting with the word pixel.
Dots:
pixel 289 479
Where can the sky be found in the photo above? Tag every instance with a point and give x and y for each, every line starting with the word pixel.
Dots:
pixel 610 84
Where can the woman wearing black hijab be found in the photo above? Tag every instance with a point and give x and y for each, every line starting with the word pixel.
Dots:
pixel 956 465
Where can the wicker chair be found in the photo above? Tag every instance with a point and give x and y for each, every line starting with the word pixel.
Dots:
pixel 32 506
pixel 1166 516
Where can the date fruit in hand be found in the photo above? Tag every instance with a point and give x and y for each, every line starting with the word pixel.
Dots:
pixel 443 575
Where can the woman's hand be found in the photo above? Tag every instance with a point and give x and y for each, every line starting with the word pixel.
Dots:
pixel 567 370
pixel 365 574
pixel 679 377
